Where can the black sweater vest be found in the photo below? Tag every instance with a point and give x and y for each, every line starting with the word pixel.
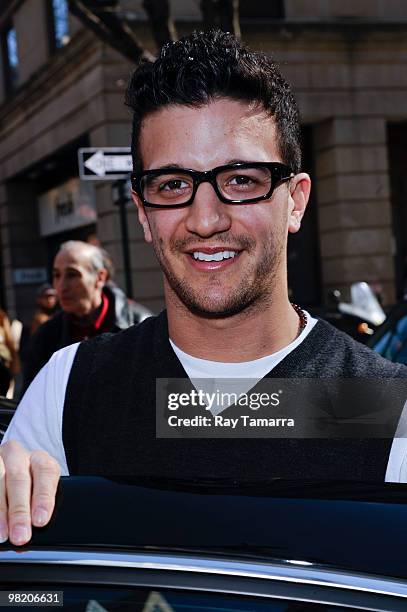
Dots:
pixel 109 414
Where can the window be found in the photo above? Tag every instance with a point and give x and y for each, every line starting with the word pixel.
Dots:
pixel 10 58
pixel 59 23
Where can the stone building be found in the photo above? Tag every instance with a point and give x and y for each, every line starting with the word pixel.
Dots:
pixel 62 89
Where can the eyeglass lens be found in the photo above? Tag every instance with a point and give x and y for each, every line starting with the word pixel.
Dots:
pixel 234 184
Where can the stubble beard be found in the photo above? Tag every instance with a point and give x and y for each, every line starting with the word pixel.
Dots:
pixel 255 289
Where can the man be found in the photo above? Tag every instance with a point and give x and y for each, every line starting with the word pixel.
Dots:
pixel 46 301
pixel 218 187
pixel 88 305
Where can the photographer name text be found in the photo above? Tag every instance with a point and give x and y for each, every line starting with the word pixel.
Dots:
pixel 231 423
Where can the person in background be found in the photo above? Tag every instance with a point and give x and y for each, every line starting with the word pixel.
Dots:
pixel 9 360
pixel 47 301
pixel 89 306
pixel 110 280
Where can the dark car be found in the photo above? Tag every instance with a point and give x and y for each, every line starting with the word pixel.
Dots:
pixel 390 340
pixel 215 546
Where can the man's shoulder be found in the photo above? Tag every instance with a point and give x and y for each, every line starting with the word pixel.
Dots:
pixel 138 312
pixel 134 339
pixel 55 320
pixel 126 311
pixel 342 355
pixel 51 324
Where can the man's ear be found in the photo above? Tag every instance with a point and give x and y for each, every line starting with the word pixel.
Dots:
pixel 102 276
pixel 142 217
pixel 300 187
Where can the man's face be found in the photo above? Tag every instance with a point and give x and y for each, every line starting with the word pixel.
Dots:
pixel 48 299
pixel 222 132
pixel 77 285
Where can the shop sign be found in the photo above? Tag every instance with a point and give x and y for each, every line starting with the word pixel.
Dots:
pixel 67 207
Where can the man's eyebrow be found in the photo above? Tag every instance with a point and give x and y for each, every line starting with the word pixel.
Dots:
pixel 72 268
pixel 226 163
pixel 168 166
pixel 238 161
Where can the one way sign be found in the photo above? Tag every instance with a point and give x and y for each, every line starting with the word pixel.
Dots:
pixel 104 163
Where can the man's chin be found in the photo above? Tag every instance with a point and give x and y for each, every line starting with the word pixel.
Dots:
pixel 215 299
pixel 207 308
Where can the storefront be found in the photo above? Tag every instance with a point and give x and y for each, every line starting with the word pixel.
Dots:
pixel 67 212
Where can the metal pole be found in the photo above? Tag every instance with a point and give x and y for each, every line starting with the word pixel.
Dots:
pixel 121 198
pixel 126 250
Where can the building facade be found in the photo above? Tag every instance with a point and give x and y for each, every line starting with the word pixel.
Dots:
pixel 62 89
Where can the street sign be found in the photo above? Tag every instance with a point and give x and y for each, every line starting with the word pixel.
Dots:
pixel 104 163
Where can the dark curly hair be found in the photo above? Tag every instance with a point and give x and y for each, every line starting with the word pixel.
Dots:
pixel 209 65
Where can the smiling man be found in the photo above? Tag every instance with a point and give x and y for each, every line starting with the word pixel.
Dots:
pixel 221 260
pixel 218 186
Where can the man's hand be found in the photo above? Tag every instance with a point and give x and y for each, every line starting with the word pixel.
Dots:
pixel 28 485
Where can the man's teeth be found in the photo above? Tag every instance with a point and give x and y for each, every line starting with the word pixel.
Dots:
pixel 214 256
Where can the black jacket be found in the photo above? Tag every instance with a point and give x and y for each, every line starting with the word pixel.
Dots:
pixel 55 333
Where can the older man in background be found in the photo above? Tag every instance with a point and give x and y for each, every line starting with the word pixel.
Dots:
pixel 88 305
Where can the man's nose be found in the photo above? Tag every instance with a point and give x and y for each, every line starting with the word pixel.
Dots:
pixel 207 215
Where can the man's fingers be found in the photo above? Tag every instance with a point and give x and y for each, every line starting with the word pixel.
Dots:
pixel 45 472
pixel 3 504
pixel 18 503
pixel 18 486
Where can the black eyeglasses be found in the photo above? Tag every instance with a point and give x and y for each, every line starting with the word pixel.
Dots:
pixel 241 183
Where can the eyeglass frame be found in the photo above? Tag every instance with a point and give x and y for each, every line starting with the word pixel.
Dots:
pixel 209 176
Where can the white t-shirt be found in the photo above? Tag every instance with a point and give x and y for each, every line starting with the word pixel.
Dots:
pixel 211 376
pixel 38 420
